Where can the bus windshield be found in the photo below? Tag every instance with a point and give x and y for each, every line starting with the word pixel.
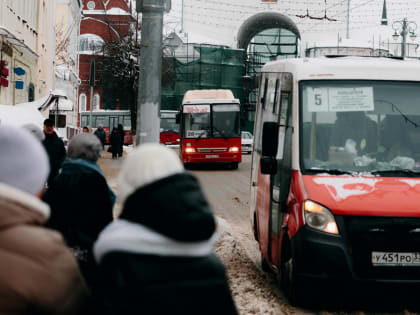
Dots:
pixel 211 121
pixel 360 126
pixel 168 125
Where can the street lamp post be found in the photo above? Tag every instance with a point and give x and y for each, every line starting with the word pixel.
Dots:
pixel 403 28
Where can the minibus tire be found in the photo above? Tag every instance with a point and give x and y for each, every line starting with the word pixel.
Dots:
pixel 264 265
pixel 234 165
pixel 291 285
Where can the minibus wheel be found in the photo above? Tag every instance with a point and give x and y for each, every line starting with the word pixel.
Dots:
pixel 291 285
pixel 264 265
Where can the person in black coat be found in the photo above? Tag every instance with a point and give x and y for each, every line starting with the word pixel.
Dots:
pixel 81 201
pixel 157 258
pixel 54 147
pixel 122 135
pixel 115 143
pixel 101 134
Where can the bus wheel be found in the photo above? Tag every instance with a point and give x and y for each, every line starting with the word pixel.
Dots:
pixel 234 165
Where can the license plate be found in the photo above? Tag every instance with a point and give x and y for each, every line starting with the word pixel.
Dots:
pixel 395 259
pixel 212 156
pixel 168 142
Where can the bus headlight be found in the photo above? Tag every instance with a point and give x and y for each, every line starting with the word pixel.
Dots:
pixel 319 218
pixel 234 149
pixel 189 150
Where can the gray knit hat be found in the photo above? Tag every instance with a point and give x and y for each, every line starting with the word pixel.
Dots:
pixel 23 160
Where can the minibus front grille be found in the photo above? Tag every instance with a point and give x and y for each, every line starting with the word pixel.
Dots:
pixel 382 234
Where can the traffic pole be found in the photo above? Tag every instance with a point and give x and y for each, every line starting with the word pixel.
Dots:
pixel 150 77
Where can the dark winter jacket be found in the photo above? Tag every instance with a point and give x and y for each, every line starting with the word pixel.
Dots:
pixel 101 134
pixel 121 133
pixel 115 142
pixel 81 206
pixel 56 153
pixel 157 258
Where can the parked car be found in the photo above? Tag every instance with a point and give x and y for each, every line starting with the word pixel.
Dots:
pixel 247 140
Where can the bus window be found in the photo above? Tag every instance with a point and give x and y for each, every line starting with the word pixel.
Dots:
pixel 226 121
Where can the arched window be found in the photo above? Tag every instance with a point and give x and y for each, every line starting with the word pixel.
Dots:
pixel 90 44
pixel 96 101
pixel 82 102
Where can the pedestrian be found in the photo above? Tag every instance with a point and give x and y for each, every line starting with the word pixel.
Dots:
pixel 114 141
pixel 54 147
pixel 38 274
pixel 85 129
pixel 157 258
pixel 81 201
pixel 121 133
pixel 101 134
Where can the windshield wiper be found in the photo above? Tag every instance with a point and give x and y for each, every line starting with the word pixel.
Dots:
pixel 221 133
pixel 397 172
pixel 202 134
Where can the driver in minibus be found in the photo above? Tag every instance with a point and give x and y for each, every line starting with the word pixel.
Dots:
pixel 355 126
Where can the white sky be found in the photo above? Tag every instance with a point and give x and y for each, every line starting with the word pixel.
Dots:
pixel 221 19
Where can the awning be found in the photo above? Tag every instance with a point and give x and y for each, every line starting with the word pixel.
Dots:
pixel 63 104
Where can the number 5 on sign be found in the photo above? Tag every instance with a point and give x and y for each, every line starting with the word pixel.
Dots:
pixel 318 100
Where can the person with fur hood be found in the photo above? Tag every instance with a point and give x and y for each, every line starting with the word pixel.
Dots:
pixel 157 258
pixel 38 274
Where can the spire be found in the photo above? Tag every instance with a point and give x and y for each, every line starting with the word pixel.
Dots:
pixel 384 20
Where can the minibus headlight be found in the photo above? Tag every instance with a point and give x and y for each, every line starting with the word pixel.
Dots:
pixel 189 150
pixel 233 149
pixel 319 218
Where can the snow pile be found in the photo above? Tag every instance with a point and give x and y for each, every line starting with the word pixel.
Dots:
pixel 254 291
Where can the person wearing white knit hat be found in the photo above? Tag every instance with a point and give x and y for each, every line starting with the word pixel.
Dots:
pixel 29 250
pixel 162 243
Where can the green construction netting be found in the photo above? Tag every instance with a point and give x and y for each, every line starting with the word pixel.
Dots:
pixel 202 68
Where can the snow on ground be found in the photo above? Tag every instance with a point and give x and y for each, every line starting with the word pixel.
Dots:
pixel 254 291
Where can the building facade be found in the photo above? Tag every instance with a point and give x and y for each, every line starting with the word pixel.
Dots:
pixel 45 48
pixel 19 36
pixel 67 29
pixel 103 22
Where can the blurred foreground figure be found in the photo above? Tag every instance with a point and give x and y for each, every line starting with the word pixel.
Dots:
pixel 38 274
pixel 81 201
pixel 157 258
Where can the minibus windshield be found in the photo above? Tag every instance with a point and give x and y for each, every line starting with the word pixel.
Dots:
pixel 360 126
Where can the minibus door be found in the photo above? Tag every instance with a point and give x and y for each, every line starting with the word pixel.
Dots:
pixel 280 181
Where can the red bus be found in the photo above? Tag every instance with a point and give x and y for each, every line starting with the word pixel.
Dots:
pixel 169 128
pixel 109 119
pixel 210 128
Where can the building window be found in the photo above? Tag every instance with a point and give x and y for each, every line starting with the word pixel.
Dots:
pixel 96 101
pixel 90 44
pixel 82 102
pixel 31 92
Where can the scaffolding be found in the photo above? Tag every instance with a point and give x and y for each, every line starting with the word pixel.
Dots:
pixel 196 67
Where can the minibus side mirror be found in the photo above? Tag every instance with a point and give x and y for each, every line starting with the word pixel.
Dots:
pixel 268 165
pixel 178 118
pixel 270 139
